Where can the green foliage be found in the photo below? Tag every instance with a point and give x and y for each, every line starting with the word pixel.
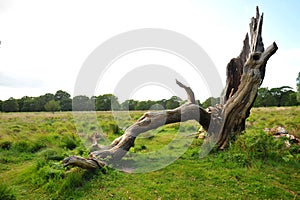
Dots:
pixel 71 182
pixel 211 101
pixel 52 106
pixel 26 104
pixel 6 193
pixel 64 100
pixel 263 98
pixel 254 146
pixel 144 105
pixel 69 141
pixel 282 96
pixel 83 103
pixel 52 154
pixel 36 104
pixel 40 102
pixel 25 146
pixel 173 102
pixel 10 105
pixel 107 102
pixel 114 128
pixel 129 104
pixel 5 145
pixel 255 166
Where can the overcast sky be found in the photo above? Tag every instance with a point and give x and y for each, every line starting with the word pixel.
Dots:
pixel 45 43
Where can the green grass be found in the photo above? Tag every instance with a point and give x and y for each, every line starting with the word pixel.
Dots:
pixel 255 166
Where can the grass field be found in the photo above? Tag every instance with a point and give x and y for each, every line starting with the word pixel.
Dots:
pixel 255 166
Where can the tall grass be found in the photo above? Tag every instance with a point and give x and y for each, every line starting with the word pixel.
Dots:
pixel 6 193
pixel 255 166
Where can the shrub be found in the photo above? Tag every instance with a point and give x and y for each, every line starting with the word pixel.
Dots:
pixel 70 183
pixel 6 145
pixel 114 128
pixel 69 141
pixel 253 146
pixel 51 154
pixel 24 146
pixel 36 146
pixel 47 171
pixel 6 193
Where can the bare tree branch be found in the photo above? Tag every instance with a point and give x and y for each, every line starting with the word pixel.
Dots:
pixel 150 120
pixel 244 76
pixel 189 91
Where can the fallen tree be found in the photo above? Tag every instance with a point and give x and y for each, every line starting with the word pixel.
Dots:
pixel 223 121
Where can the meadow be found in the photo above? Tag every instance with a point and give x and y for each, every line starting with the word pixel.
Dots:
pixel 255 165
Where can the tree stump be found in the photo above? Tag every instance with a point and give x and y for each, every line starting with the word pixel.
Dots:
pixel 223 121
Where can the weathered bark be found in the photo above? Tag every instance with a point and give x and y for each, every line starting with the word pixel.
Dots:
pixel 244 76
pixel 90 163
pixel 150 120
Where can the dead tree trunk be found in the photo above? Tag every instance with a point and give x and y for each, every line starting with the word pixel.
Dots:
pixel 244 76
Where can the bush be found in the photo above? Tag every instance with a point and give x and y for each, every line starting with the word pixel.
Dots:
pixel 6 145
pixel 256 147
pixel 24 146
pixel 36 146
pixel 114 128
pixel 69 141
pixel 6 193
pixel 46 172
pixel 51 154
pixel 70 183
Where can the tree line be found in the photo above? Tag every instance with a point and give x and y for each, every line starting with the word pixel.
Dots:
pixel 62 101
pixel 282 96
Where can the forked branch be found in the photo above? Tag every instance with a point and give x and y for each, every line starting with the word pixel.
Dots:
pixel 150 120
pixel 244 76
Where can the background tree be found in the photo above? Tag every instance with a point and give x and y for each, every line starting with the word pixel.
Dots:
pixel 10 105
pixel 211 101
pixel 173 102
pixel 290 99
pixel 52 106
pixel 263 97
pixel 145 105
pixel 81 103
pixel 1 102
pixel 129 104
pixel 162 103
pixel 280 94
pixel 106 102
pixel 20 102
pixel 39 102
pixel 64 100
pixel 27 104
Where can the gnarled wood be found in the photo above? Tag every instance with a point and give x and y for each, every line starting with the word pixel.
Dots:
pixel 84 163
pixel 150 120
pixel 244 76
